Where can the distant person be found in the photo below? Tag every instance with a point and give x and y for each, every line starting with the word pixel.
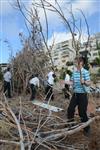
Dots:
pixel 7 83
pixel 67 85
pixel 34 84
pixel 49 88
pixel 51 72
pixel 80 79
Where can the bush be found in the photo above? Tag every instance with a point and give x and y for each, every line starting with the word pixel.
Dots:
pixel 99 72
pixel 63 72
pixel 94 78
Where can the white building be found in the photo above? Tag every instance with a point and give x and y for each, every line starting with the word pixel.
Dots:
pixel 93 48
pixel 62 53
pixel 3 66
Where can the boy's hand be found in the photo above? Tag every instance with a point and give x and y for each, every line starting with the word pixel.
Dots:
pixel 82 81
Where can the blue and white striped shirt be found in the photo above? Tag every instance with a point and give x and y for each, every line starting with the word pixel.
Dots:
pixel 76 76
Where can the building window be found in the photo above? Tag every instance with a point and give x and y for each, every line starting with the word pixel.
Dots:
pixel 65 45
pixel 65 52
pixel 56 58
pixel 63 60
pixel 56 54
pixel 95 54
pixel 65 56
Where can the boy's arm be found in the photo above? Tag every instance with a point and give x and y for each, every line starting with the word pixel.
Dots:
pixel 71 80
pixel 86 80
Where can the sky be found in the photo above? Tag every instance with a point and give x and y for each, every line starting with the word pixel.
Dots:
pixel 12 23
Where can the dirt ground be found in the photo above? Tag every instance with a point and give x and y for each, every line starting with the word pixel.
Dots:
pixel 76 141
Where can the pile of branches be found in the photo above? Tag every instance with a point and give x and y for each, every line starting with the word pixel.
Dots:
pixel 24 65
pixel 36 129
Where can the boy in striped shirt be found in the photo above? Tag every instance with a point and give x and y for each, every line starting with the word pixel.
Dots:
pixel 80 79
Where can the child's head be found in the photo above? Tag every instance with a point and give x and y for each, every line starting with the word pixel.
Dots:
pixel 8 69
pixel 79 61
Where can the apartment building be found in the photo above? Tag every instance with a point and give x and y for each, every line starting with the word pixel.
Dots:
pixel 62 53
pixel 3 66
pixel 93 48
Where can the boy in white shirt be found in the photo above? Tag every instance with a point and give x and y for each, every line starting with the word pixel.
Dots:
pixel 49 87
pixel 34 83
pixel 67 81
pixel 7 82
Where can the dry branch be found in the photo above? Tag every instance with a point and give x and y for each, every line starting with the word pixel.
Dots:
pixel 43 128
pixel 18 125
pixel 10 142
pixel 63 132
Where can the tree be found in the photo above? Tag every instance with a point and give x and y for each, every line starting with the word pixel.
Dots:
pixel 1 74
pixel 25 64
pixel 97 45
pixel 74 26
pixel 97 59
pixel 99 72
pixel 34 45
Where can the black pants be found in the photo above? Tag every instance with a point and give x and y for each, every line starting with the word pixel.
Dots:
pixel 33 91
pixel 7 87
pixel 80 100
pixel 66 91
pixel 49 93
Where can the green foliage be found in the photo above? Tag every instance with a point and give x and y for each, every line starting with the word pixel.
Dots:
pixel 86 66
pixel 69 72
pixel 69 63
pixel 56 80
pixel 97 60
pixel 94 78
pixel 63 72
pixel 86 63
pixel 97 45
pixel 99 72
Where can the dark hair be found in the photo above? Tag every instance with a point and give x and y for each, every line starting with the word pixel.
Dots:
pixel 32 76
pixel 80 59
pixel 36 75
pixel 8 69
pixel 54 76
pixel 68 72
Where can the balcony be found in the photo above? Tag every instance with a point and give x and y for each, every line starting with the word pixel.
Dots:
pixel 56 58
pixel 65 56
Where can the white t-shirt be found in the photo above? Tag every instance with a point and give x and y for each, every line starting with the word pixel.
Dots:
pixel 67 79
pixel 51 80
pixel 50 74
pixel 34 81
pixel 7 76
